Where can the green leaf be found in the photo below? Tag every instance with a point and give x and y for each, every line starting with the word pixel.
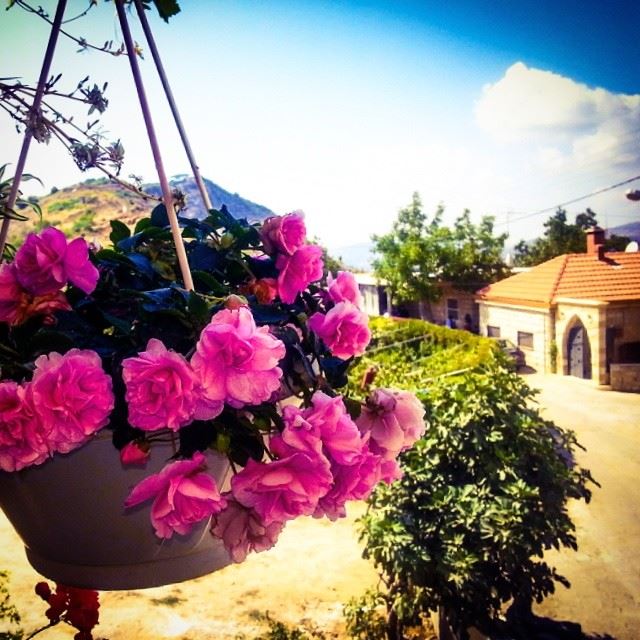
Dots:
pixel 167 8
pixel 142 225
pixel 198 308
pixel 119 231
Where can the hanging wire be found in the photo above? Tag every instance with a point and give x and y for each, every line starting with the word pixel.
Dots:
pixel 35 108
pixel 563 204
pixel 384 347
pixel 167 198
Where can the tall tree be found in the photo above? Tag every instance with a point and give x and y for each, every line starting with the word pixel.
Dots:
pixel 562 237
pixel 419 254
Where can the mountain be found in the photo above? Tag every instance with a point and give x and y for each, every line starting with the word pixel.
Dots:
pixel 631 230
pixel 238 207
pixel 87 208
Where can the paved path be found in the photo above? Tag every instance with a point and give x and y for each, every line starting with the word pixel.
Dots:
pixel 605 571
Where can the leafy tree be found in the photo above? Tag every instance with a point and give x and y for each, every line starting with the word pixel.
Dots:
pixel 419 254
pixel 562 237
pixel 483 496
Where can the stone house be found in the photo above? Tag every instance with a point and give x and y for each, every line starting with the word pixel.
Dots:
pixel 576 314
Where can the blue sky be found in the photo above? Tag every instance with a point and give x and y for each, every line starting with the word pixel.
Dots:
pixel 343 109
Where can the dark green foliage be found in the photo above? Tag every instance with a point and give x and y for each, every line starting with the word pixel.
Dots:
pixel 418 254
pixel 484 494
pixel 562 237
pixel 167 8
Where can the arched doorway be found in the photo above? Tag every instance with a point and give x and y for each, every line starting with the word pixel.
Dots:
pixel 578 351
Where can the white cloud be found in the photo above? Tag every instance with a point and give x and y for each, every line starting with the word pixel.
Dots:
pixel 569 123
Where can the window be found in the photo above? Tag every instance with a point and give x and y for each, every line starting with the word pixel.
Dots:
pixel 525 339
pixel 493 332
pixel 452 309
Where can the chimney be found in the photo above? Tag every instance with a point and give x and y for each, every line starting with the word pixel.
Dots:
pixel 595 242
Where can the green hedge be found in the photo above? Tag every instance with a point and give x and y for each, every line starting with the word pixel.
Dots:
pixel 410 354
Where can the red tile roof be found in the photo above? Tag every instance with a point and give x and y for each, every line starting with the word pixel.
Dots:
pixel 614 277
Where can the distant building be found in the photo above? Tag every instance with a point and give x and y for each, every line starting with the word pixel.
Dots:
pixel 455 308
pixel 374 294
pixel 584 307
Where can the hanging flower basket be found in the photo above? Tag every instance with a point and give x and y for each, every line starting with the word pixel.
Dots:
pixel 70 514
pixel 124 398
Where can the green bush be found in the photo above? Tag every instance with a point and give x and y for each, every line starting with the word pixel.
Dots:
pixel 83 223
pixel 364 620
pixel 63 205
pixel 484 494
pixel 410 354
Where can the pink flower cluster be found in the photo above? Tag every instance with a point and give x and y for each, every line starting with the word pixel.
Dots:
pixel 323 459
pixel 299 264
pixel 69 398
pixel 235 362
pixel 43 265
pixel 344 329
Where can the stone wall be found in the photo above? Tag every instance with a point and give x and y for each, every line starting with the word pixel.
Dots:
pixel 625 377
pixel 511 319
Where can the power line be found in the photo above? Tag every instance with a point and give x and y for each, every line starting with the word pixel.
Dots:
pixel 564 204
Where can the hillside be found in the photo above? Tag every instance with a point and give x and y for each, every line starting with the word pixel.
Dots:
pixel 631 230
pixel 87 208
pixel 238 206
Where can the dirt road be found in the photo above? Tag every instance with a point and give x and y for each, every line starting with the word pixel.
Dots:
pixel 605 571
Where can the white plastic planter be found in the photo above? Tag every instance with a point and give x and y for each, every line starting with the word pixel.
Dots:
pixel 70 515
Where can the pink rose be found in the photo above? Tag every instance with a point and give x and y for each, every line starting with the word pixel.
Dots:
pixel 80 271
pixel 45 263
pixel 73 397
pixel 242 530
pixel 183 494
pixel 22 440
pixel 393 419
pixel 283 489
pixel 283 234
pixel 11 295
pixel 135 453
pixel 350 482
pixel 339 434
pixel 153 377
pixel 344 329
pixel 17 305
pixel 389 471
pixel 298 270
pixel 298 434
pixel 237 362
pixel 324 429
pixel 344 288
